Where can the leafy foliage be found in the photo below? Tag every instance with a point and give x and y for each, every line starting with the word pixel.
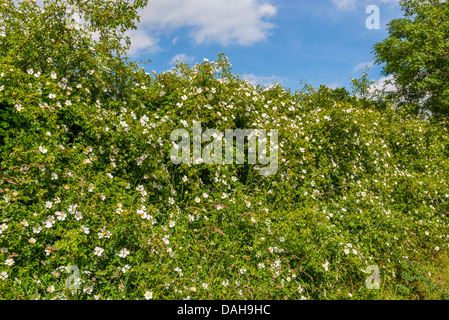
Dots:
pixel 416 53
pixel 87 181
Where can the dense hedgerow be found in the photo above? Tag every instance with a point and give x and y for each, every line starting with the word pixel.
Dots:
pixel 87 181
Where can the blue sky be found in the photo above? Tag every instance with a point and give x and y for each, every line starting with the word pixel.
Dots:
pixel 323 42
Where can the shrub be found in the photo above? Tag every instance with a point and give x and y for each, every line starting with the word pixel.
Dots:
pixel 87 182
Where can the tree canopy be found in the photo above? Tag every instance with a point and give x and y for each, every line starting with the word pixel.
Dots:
pixel 93 207
pixel 416 53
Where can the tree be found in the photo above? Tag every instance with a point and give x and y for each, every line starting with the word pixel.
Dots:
pixel 38 41
pixel 39 38
pixel 416 53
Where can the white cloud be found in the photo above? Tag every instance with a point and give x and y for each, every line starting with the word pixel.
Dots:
pixel 225 22
pixel 141 43
pixel 362 65
pixel 334 85
pixel 241 22
pixel 349 5
pixel 389 1
pixel 182 57
pixel 384 83
pixel 262 80
pixel 345 4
